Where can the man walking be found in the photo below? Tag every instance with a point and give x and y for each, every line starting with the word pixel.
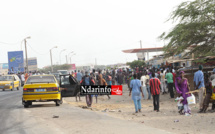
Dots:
pixel 143 82
pixel 199 85
pixel 169 78
pixel 86 81
pixel 135 89
pixel 155 91
pixel 79 76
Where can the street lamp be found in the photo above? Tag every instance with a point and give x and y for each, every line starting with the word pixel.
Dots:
pixel 26 54
pixel 67 56
pixel 71 57
pixel 60 54
pixel 51 57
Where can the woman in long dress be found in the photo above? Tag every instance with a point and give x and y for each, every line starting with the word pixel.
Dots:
pixel 181 85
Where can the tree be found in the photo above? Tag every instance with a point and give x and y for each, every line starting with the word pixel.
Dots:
pixel 195 28
pixel 136 63
pixel 55 68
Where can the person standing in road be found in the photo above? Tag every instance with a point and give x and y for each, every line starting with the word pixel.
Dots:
pixel 120 78
pixel 22 79
pixel 143 82
pixel 182 87
pixel 100 77
pixel 26 76
pixel 209 90
pixel 135 89
pixel 199 85
pixel 155 91
pixel 86 81
pixel 163 83
pixel 147 86
pixel 174 77
pixel 169 78
pixel 79 76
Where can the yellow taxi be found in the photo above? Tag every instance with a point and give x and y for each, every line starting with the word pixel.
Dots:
pixel 41 88
pixel 9 82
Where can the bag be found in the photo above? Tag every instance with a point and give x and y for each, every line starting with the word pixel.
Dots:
pixel 191 99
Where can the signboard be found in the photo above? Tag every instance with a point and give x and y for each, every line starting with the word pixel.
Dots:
pixel 73 67
pixel 32 62
pixel 15 61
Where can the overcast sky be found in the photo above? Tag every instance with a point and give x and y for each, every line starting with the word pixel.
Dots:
pixel 98 29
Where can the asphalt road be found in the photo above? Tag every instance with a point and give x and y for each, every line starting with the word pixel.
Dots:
pixel 38 119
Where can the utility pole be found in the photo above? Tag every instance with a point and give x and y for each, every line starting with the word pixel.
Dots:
pixel 51 59
pixel 140 44
pixel 66 60
pixel 26 56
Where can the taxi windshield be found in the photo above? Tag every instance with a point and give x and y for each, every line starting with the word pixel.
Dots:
pixel 41 79
pixel 6 78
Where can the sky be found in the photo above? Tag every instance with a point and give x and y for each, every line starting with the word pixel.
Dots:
pixel 92 29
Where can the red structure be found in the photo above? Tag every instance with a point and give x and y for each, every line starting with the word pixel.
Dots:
pixel 144 50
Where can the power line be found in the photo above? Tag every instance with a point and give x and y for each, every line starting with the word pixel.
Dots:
pixel 36 51
pixel 5 43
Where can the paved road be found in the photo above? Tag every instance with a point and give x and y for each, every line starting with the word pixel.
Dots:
pixel 38 119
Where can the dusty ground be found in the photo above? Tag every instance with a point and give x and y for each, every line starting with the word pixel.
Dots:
pixel 122 107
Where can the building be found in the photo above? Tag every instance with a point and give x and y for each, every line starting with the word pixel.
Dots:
pixel 32 64
pixel 3 68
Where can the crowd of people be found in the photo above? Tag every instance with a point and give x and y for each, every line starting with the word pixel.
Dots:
pixel 149 83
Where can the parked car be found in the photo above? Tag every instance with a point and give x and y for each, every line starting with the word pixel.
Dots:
pixel 41 88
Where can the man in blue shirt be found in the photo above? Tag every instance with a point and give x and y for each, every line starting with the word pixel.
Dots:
pixel 199 85
pixel 79 76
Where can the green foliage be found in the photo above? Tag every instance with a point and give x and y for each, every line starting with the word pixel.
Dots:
pixel 55 68
pixel 195 27
pixel 136 63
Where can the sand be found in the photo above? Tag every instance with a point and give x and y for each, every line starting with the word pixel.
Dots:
pixel 168 118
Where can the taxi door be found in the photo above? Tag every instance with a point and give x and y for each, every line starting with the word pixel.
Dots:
pixel 69 86
pixel 16 82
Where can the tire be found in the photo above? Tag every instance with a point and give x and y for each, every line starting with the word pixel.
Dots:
pixel 3 89
pixel 17 88
pixel 57 103
pixel 26 106
pixel 12 88
pixel 29 103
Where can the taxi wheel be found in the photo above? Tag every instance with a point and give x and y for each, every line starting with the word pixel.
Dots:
pixel 3 89
pixel 57 103
pixel 17 88
pixel 26 105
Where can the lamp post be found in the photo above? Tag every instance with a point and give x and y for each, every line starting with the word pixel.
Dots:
pixel 60 54
pixel 67 56
pixel 51 57
pixel 71 57
pixel 26 54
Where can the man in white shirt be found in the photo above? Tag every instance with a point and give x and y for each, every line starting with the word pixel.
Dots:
pixel 22 79
pixel 163 83
pixel 143 83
